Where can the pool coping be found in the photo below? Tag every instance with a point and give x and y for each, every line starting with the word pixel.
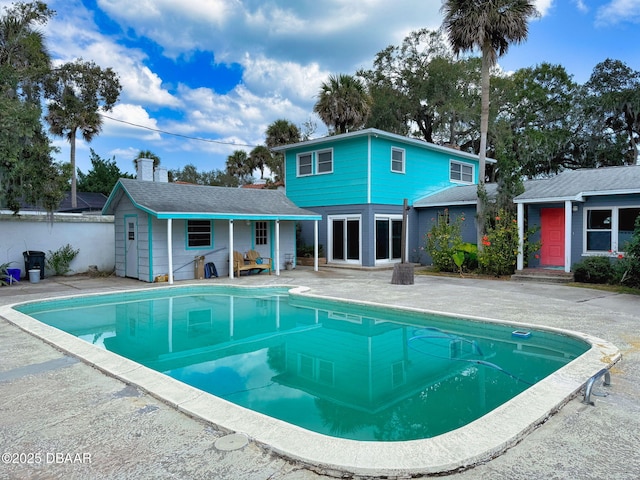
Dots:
pixel 477 442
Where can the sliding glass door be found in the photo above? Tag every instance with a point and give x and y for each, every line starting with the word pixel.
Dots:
pixel 388 238
pixel 344 238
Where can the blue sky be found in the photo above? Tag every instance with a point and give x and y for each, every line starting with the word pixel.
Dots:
pixel 223 70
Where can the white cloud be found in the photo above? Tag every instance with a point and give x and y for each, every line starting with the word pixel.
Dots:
pixel 581 6
pixel 125 121
pixel 74 35
pixel 299 82
pixel 618 11
pixel 543 6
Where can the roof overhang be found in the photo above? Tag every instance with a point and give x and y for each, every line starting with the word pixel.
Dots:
pixel 579 197
pixel 119 191
pixel 374 132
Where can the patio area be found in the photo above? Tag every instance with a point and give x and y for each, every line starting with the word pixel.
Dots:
pixel 85 424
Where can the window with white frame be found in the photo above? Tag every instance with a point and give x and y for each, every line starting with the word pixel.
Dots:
pixel 609 229
pixel 460 172
pixel 325 161
pixel 305 164
pixel 198 233
pixel 261 233
pixel 397 160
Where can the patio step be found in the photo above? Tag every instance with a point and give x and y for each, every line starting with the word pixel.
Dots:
pixel 542 275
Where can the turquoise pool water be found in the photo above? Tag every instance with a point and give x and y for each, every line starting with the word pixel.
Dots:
pixel 350 371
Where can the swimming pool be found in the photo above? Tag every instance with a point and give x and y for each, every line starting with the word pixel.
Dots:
pixel 423 341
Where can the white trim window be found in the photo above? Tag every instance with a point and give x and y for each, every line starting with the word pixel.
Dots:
pixel 325 161
pixel 461 172
pixel 304 164
pixel 608 229
pixel 397 160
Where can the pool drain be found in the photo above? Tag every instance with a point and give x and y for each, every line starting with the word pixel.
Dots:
pixel 230 442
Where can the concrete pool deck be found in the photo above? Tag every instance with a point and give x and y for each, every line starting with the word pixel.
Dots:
pixel 59 407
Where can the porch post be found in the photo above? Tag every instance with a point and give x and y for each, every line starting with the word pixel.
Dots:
pixel 520 261
pixel 230 248
pixel 567 235
pixel 277 259
pixel 315 245
pixel 170 249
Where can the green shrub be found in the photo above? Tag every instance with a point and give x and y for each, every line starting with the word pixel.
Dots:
pixel 594 270
pixel 60 260
pixel 627 267
pixel 445 246
pixel 500 246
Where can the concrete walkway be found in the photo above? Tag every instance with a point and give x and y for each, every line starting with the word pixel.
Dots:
pixel 60 418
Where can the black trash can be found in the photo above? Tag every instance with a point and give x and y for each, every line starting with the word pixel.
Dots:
pixel 32 260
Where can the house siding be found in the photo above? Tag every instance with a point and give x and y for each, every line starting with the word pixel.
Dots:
pixel 362 183
pixel 347 184
pixel 426 171
pixel 218 253
pixel 427 218
pixel 578 247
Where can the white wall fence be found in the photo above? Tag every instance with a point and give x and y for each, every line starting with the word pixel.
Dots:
pixel 93 235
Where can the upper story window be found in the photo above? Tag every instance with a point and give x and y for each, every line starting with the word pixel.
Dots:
pixel 305 164
pixel 397 160
pixel 198 233
pixel 460 172
pixel 315 163
pixel 325 161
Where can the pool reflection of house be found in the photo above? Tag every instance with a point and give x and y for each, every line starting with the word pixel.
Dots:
pixel 373 366
pixel 359 362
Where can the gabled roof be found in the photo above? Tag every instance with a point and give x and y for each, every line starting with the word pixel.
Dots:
pixel 379 133
pixel 574 185
pixel 172 200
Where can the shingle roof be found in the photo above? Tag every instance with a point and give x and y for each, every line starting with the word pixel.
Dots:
pixel 456 195
pixel 575 184
pixel 172 200
pixel 568 185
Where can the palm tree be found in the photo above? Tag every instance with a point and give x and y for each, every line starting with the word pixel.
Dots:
pixel 281 132
pixel 147 154
pixel 239 165
pixel 491 26
pixel 77 91
pixel 260 157
pixel 343 103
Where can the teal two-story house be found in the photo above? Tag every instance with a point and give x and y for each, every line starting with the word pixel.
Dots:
pixel 358 182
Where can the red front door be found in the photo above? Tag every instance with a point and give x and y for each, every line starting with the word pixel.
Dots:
pixel 552 236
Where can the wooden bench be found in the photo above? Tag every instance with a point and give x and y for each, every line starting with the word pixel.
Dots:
pixel 252 261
